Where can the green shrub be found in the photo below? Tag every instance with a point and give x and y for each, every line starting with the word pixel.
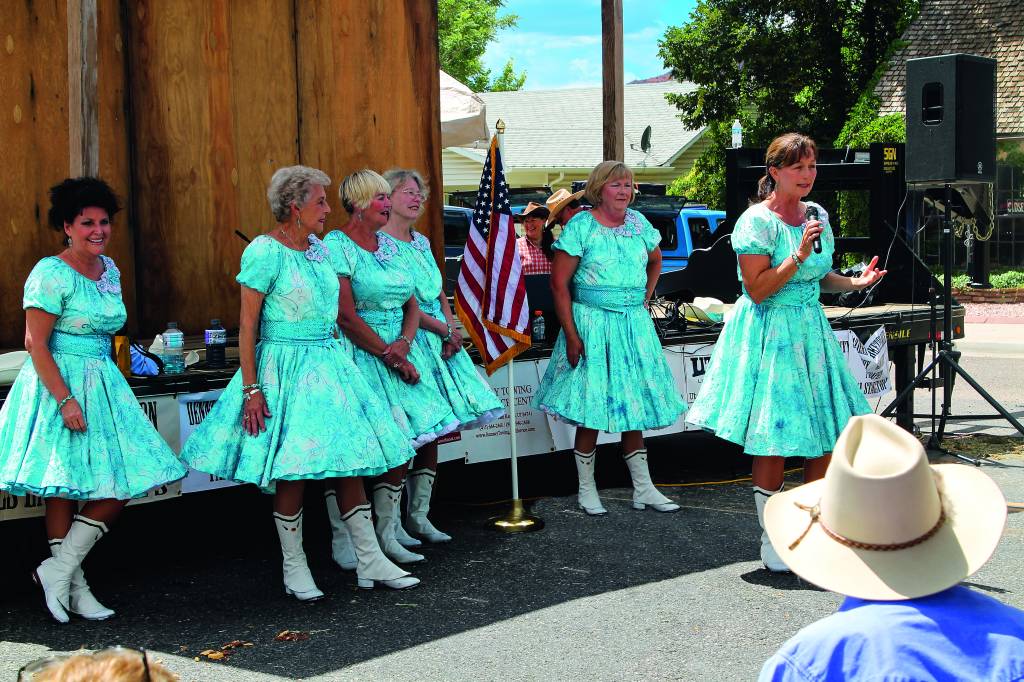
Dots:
pixel 1011 279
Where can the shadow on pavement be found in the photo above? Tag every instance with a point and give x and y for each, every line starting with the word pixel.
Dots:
pixel 198 572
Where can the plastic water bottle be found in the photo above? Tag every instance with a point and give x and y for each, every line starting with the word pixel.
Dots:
pixel 174 349
pixel 737 134
pixel 216 341
pixel 537 327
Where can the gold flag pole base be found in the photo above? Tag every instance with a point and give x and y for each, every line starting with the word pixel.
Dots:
pixel 517 520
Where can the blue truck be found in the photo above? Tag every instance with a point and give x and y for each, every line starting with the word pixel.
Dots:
pixel 684 225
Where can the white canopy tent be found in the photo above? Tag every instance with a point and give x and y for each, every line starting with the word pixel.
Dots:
pixel 463 115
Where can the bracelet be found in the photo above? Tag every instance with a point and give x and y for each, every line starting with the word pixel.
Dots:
pixel 403 337
pixel 62 403
pixel 796 259
pixel 246 387
pixel 249 394
pixel 448 337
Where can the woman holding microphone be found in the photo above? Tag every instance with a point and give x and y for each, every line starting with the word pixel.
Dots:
pixel 778 383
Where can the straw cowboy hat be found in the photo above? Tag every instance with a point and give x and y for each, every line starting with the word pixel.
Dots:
pixel 559 200
pixel 532 208
pixel 883 524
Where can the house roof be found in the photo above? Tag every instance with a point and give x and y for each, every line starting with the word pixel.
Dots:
pixel 989 28
pixel 562 128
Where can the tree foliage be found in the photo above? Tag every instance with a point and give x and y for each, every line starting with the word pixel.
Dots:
pixel 464 29
pixel 777 65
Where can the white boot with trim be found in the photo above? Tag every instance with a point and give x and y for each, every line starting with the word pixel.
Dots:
pixel 645 494
pixel 587 498
pixel 55 574
pixel 386 498
pixel 298 581
pixel 373 568
pixel 769 556
pixel 403 537
pixel 421 481
pixel 82 602
pixel 341 543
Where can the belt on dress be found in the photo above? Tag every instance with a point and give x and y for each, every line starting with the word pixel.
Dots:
pixel 615 299
pixel 432 308
pixel 375 317
pixel 794 295
pixel 303 332
pixel 83 345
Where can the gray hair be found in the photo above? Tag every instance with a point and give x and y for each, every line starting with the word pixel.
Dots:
pixel 291 185
pixel 396 176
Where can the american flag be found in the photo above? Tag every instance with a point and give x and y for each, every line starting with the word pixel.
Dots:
pixel 490 298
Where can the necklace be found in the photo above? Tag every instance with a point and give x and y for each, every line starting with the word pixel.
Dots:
pixel 289 242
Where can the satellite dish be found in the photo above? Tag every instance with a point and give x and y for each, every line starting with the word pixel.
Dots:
pixel 645 140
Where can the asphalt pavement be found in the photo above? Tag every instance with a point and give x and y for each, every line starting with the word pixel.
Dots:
pixel 633 595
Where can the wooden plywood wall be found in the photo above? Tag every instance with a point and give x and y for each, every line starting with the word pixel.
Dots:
pixel 227 91
pixel 199 101
pixel 34 128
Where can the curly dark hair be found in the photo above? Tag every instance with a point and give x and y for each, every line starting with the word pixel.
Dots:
pixel 71 196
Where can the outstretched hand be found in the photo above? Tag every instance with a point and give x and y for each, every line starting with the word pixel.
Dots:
pixel 870 275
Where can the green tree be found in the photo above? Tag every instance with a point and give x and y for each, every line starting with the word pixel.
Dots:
pixel 464 29
pixel 776 65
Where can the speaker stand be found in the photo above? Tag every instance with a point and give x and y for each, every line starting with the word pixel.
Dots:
pixel 947 361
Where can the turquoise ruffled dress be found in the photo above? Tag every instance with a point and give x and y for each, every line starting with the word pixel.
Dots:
pixel 778 383
pixel 380 290
pixel 325 420
pixel 622 383
pixel 471 399
pixel 120 454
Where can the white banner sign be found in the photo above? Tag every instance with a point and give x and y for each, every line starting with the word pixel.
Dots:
pixel 868 361
pixel 192 410
pixel 491 441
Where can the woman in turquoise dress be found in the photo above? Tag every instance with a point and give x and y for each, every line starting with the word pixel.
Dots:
pixel 607 371
pixel 377 311
pixel 269 427
pixel 71 430
pixel 778 383
pixel 470 398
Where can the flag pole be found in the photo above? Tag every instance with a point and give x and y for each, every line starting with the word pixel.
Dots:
pixel 517 520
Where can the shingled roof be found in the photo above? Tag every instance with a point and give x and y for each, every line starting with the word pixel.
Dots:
pixel 990 28
pixel 562 128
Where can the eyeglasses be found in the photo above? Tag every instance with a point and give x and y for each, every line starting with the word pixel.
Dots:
pixel 415 194
pixel 28 671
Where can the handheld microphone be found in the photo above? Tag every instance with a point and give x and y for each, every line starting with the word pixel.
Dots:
pixel 812 214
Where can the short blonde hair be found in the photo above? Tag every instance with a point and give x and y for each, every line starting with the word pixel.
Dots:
pixel 292 185
pixel 113 665
pixel 358 189
pixel 396 176
pixel 603 173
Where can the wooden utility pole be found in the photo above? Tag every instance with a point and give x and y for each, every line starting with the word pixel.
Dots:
pixel 612 91
pixel 83 118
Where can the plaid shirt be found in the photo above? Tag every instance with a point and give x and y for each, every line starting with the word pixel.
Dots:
pixel 532 257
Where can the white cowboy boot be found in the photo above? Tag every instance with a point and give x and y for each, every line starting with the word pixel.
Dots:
pixel 341 544
pixel 298 581
pixel 587 497
pixel 54 574
pixel 373 566
pixel 386 498
pixel 403 537
pixel 769 556
pixel 644 493
pixel 422 483
pixel 83 603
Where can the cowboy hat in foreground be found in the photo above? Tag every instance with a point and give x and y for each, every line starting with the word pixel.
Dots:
pixel 896 536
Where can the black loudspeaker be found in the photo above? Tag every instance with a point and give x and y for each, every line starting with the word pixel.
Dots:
pixel 951 122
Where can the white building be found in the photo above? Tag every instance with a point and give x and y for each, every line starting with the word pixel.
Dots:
pixel 553 137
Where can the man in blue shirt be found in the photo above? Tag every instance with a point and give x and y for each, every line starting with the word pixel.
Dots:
pixel 896 536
